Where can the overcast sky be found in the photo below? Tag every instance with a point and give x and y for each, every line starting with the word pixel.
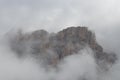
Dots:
pixel 101 16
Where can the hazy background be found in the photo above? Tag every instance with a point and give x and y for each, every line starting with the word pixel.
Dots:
pixel 101 16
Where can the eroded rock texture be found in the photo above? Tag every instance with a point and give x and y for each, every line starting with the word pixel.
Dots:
pixel 53 47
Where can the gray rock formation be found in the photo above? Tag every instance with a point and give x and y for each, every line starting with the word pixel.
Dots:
pixel 54 47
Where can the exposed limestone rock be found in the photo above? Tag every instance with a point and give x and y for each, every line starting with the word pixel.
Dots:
pixel 66 42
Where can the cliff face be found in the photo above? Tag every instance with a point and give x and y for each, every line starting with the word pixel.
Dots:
pixel 54 47
pixel 75 39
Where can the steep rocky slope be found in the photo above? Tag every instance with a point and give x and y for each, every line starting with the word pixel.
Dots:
pixel 55 46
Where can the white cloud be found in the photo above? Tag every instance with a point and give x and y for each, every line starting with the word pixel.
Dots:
pixel 101 16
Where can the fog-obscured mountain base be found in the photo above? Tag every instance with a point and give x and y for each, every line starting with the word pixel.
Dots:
pixel 55 49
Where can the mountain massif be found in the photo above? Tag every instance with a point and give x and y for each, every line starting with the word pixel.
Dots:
pixel 52 47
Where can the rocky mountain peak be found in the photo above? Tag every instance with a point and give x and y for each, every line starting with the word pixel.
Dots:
pixel 64 43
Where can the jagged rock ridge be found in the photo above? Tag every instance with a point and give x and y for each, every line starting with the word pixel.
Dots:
pixel 54 47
